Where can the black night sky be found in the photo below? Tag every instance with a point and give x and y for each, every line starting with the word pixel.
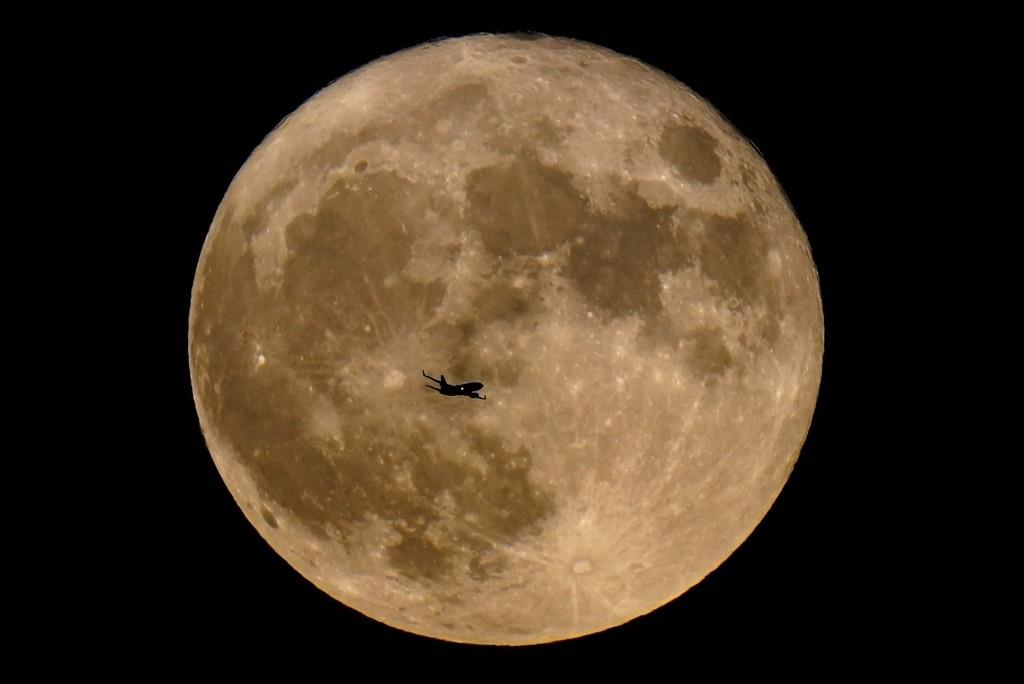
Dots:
pixel 821 577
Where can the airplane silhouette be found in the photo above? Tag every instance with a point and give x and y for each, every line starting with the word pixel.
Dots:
pixel 466 389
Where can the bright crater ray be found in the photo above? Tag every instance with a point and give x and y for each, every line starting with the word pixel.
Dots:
pixel 573 228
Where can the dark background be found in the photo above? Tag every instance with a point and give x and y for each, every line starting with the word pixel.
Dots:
pixel 824 576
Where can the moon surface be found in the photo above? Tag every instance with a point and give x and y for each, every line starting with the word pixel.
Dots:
pixel 576 230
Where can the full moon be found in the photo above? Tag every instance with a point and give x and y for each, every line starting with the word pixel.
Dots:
pixel 576 230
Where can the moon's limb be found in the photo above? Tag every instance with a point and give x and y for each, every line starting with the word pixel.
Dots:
pixel 575 229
